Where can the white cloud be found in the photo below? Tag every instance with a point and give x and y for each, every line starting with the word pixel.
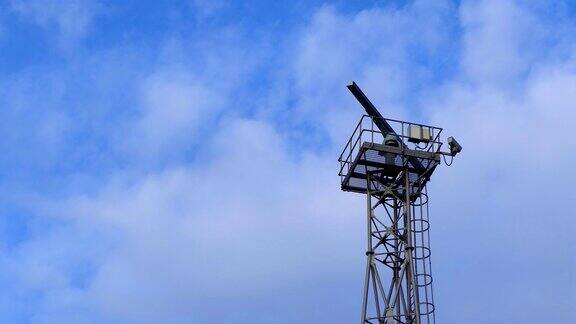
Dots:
pixel 245 217
pixel 498 39
pixel 251 221
pixel 374 47
pixel 511 109
pixel 182 98
pixel 175 105
pixel 493 208
pixel 71 20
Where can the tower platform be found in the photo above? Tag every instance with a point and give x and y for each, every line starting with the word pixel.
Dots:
pixel 366 153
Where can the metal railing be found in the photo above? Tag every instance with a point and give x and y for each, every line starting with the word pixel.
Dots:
pixel 367 131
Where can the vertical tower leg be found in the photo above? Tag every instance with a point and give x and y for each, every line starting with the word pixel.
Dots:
pixel 369 253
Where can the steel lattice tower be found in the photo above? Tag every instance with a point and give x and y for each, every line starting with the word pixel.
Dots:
pixel 391 161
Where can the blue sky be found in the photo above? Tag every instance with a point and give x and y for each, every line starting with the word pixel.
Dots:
pixel 176 162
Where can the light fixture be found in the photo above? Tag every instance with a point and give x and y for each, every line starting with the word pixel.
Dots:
pixel 455 148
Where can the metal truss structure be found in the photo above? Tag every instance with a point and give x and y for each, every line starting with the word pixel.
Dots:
pixel 390 163
pixel 398 243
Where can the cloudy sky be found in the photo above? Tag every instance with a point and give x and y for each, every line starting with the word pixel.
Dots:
pixel 176 162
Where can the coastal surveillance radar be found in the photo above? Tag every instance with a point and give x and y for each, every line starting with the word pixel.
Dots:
pixel 391 161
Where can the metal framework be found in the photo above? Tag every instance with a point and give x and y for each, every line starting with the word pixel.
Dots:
pixel 385 162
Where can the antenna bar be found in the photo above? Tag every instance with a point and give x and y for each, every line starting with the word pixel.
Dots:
pixel 379 121
pixel 377 118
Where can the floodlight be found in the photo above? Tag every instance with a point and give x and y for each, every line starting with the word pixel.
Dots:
pixel 455 148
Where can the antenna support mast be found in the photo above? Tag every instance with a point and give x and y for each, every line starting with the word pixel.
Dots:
pixel 391 161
